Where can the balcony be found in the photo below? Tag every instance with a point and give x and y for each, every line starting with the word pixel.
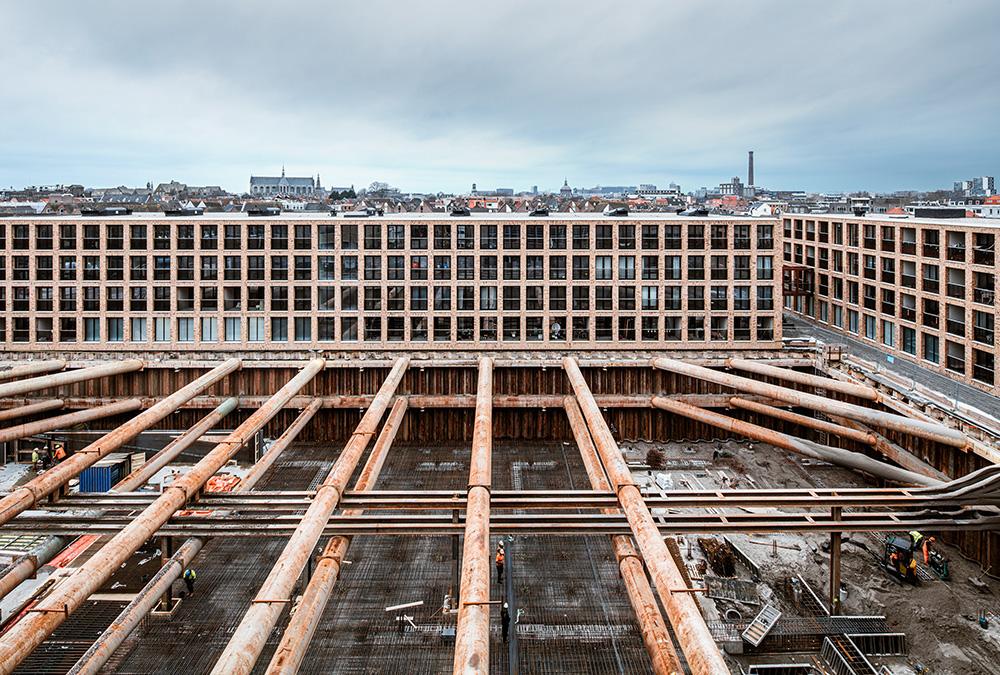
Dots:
pixel 956 253
pixel 908 248
pixel 908 280
pixel 984 296
pixel 908 314
pixel 956 291
pixel 931 285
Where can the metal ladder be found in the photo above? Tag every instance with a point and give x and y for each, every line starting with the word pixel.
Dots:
pixel 761 625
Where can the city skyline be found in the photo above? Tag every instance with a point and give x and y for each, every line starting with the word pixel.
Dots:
pixel 537 94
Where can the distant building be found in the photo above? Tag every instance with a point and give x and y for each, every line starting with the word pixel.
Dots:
pixel 732 188
pixel 285 186
pixel 566 190
pixel 980 186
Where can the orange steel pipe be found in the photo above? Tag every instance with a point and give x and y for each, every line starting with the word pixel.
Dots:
pixel 810 422
pixel 302 626
pixel 32 368
pixel 807 379
pixel 74 590
pixel 244 648
pixel 146 599
pixel 655 636
pixel 69 377
pixel 702 654
pixel 68 420
pixel 171 450
pixel 135 480
pixel 853 460
pixel 472 635
pixel 31 409
pixel 27 495
pixel 934 432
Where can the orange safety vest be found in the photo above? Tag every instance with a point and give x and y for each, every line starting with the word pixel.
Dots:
pixel 499 557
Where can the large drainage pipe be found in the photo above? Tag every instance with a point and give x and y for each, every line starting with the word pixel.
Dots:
pixel 763 368
pixel 42 619
pixel 846 458
pixel 934 432
pixel 34 368
pixel 146 599
pixel 472 635
pixel 695 639
pixel 68 420
pixel 27 495
pixel 302 626
pixel 655 636
pixel 31 409
pixel 248 640
pixel 69 377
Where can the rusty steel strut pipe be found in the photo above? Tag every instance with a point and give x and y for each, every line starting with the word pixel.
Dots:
pixel 302 626
pixel 798 377
pixel 73 591
pixel 146 599
pixel 68 420
pixel 846 458
pixel 802 420
pixel 171 450
pixel 928 430
pixel 472 636
pixel 31 409
pixel 33 368
pixel 69 377
pixel 131 482
pixel 134 480
pixel 702 654
pixel 25 566
pixel 655 636
pixel 244 648
pixel 27 495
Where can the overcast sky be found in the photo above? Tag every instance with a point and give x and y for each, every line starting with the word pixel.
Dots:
pixel 436 95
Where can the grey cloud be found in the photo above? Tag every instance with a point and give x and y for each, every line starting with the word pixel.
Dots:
pixel 437 94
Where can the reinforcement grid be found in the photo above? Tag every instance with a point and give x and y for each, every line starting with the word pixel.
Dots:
pixel 577 617
pixel 74 637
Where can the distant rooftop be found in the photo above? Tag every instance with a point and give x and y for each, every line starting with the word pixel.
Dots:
pixel 306 215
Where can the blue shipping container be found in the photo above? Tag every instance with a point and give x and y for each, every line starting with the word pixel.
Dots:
pixel 103 475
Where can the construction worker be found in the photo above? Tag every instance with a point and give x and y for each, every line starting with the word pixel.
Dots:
pixel 916 539
pixel 36 459
pixel 504 621
pixel 927 545
pixel 60 452
pixel 189 576
pixel 499 559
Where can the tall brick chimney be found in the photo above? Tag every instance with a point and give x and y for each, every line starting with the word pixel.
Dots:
pixel 750 170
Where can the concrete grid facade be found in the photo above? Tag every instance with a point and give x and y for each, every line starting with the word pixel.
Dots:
pixel 229 282
pixel 920 289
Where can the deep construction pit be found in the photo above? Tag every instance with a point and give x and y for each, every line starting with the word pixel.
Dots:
pixel 576 614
